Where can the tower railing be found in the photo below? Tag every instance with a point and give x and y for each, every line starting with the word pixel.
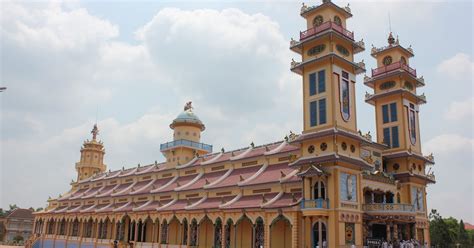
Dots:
pixel 326 26
pixel 388 207
pixel 189 143
pixel 392 67
pixel 315 204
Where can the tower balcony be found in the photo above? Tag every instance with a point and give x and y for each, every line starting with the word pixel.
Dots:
pixel 393 67
pixel 297 67
pixel 419 99
pixel 326 26
pixel 186 143
pixel 388 208
pixel 315 204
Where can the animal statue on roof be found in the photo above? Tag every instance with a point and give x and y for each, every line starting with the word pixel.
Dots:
pixel 188 106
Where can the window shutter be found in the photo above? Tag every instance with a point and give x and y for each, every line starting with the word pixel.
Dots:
pixel 393 112
pixel 312 112
pixel 395 137
pixel 385 113
pixel 322 111
pixel 321 81
pixel 312 84
pixel 386 136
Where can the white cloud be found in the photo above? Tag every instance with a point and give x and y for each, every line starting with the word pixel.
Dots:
pixel 458 67
pixel 446 144
pixel 460 110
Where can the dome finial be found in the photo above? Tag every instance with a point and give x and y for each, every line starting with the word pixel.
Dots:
pixel 390 39
pixel 188 106
pixel 95 132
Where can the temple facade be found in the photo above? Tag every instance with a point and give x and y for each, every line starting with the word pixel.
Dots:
pixel 329 186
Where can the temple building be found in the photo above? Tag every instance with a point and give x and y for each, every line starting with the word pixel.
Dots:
pixel 329 186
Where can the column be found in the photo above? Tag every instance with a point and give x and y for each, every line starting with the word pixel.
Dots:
pixel 135 229
pixel 388 231
pixel 373 197
pixel 143 232
pixel 395 232
pixel 253 236
pixel 304 231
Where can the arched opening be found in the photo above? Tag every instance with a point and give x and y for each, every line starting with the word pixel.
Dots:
pixel 319 234
pixel 259 238
pixel 185 232
pixel 398 198
pixel 319 190
pixel 367 196
pixel 205 233
pixel 218 233
pixel 62 227
pixel 103 229
pixel 164 232
pixel 229 233
pixel 140 231
pixel 243 232
pixel 173 232
pixel 51 225
pixel 131 230
pixel 75 228
pixel 123 229
pixel 148 230
pixel 280 233
pixel 88 229
pixel 193 233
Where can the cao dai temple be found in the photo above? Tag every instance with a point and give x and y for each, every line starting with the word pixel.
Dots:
pixel 330 186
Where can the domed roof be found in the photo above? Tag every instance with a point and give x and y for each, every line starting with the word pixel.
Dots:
pixel 187 117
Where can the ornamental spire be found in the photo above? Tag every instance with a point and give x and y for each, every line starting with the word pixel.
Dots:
pixel 188 106
pixel 95 132
pixel 390 39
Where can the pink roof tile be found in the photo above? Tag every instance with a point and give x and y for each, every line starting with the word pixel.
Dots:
pixel 213 203
pixel 250 201
pixel 271 174
pixel 181 181
pixel 286 200
pixel 180 204
pixel 211 177
pixel 92 192
pixel 121 187
pixel 234 177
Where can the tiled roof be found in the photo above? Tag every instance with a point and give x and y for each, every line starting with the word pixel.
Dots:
pixel 237 176
pixel 251 201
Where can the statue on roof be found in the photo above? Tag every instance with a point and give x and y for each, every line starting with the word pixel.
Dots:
pixel 188 106
pixel 95 132
pixel 390 39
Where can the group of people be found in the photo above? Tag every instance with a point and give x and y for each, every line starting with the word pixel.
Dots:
pixel 412 243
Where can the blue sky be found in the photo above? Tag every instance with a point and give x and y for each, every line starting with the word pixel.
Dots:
pixel 138 63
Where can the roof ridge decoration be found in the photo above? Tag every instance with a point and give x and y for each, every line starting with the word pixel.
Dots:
pixel 242 155
pixel 274 199
pixel 219 179
pixel 165 185
pixel 288 176
pixel 151 167
pixel 108 192
pixel 107 206
pixel 101 176
pixel 277 149
pixel 237 197
pixel 144 187
pixel 258 173
pixel 68 194
pixel 89 208
pixel 126 189
pixel 74 209
pixel 210 161
pixel 196 203
pixel 167 204
pixel 129 173
pixel 122 207
pixel 82 194
pixel 93 194
pixel 143 205
pixel 198 176
pixel 188 163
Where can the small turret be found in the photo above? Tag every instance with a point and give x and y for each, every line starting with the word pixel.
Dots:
pixel 92 157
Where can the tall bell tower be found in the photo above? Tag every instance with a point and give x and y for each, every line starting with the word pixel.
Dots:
pixel 396 101
pixel 330 162
pixel 92 157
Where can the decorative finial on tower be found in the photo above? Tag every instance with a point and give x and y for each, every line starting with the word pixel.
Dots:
pixel 188 106
pixel 94 132
pixel 390 39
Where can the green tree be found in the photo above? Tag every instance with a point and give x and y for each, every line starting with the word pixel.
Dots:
pixel 439 233
pixel 463 236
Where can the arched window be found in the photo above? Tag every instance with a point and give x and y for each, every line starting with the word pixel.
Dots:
pixel 318 20
pixel 403 61
pixel 62 227
pixel 319 234
pixel 51 227
pixel 387 60
pixel 185 231
pixel 193 241
pixel 164 232
pixel 259 233
pixel 337 20
pixel 218 233
pixel 75 228
pixel 88 229
pixel 319 190
pixel 227 230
